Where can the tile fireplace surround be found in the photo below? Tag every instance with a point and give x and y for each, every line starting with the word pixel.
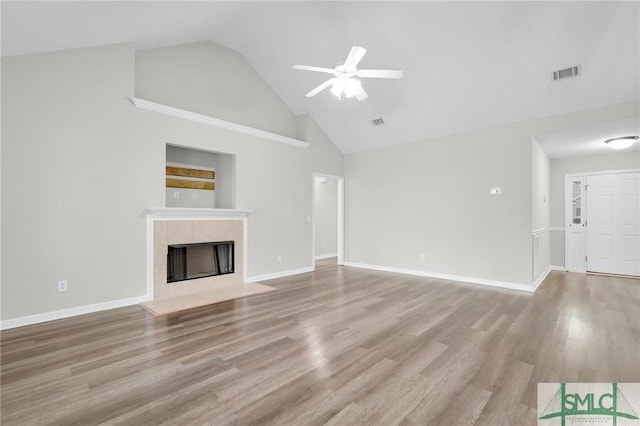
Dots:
pixel 183 226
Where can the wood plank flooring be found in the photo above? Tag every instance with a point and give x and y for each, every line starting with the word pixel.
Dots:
pixel 339 346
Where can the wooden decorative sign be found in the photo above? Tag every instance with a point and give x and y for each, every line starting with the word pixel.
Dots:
pixel 191 173
pixel 190 184
pixel 182 171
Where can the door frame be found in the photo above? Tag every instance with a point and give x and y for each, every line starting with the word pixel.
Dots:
pixel 585 200
pixel 340 236
pixel 568 178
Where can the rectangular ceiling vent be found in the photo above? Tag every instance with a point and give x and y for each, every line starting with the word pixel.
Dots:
pixel 377 121
pixel 570 72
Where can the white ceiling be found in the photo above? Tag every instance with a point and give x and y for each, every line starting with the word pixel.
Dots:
pixel 467 65
pixel 588 140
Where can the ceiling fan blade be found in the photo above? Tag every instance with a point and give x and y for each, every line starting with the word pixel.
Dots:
pixel 361 95
pixel 380 73
pixel 310 68
pixel 355 55
pixel 320 88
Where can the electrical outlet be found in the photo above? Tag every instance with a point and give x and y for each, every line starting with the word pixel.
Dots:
pixel 176 195
pixel 423 257
pixel 279 258
pixel 63 286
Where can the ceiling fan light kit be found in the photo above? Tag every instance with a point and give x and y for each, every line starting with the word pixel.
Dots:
pixel 344 81
pixel 622 142
pixel 349 87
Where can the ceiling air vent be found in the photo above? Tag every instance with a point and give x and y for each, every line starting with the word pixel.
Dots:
pixel 570 72
pixel 377 121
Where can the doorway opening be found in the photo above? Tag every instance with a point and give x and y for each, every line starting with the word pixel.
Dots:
pixel 327 218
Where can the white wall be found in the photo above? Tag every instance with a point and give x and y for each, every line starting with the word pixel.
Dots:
pixel 80 164
pixel 562 166
pixel 432 197
pixel 541 238
pixel 325 216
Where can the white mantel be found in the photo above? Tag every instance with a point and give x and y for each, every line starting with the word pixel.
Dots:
pixel 169 213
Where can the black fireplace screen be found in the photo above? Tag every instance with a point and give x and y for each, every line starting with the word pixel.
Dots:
pixel 190 261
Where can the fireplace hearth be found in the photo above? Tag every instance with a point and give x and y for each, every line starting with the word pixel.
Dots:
pixel 199 260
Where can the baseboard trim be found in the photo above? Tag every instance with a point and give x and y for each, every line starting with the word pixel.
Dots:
pixel 325 256
pixel 282 274
pixel 542 277
pixel 460 278
pixel 70 312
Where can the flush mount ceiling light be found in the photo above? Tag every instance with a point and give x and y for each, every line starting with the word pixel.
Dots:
pixel 344 81
pixel 621 142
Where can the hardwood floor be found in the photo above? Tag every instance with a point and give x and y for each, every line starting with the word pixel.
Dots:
pixel 339 346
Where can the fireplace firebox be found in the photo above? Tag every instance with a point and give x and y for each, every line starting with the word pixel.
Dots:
pixel 199 260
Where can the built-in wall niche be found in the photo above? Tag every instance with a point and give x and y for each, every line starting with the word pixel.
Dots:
pixel 199 179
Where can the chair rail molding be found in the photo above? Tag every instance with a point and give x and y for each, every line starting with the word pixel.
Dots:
pixel 215 122
pixel 547 229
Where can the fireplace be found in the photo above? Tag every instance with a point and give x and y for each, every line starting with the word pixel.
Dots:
pixel 174 228
pixel 199 260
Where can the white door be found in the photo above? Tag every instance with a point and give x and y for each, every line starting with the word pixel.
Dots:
pixel 574 235
pixel 613 223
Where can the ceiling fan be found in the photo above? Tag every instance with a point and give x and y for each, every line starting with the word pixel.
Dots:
pixel 344 80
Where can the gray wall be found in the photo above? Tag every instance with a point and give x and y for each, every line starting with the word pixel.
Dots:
pixel 80 165
pixel 540 209
pixel 78 172
pixel 325 216
pixel 540 188
pixel 225 192
pixel 432 197
pixel 560 167
pixel 210 79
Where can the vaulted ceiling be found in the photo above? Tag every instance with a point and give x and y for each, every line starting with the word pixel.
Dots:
pixel 467 65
